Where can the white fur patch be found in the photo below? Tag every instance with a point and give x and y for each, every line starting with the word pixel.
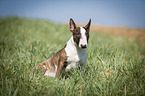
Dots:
pixel 55 68
pixel 49 73
pixel 44 66
pixel 83 39
pixel 75 55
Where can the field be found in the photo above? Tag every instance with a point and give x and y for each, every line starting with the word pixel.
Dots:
pixel 115 65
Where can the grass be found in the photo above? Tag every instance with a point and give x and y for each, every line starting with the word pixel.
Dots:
pixel 115 65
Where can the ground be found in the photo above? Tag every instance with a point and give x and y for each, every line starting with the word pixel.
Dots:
pixel 115 64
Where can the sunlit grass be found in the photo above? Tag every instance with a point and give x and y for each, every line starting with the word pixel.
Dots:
pixel 115 65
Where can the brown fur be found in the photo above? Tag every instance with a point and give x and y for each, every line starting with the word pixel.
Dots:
pixel 58 59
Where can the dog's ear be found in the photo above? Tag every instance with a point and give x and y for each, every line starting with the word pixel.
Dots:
pixel 72 25
pixel 88 25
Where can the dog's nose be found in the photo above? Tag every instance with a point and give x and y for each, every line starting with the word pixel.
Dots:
pixel 83 46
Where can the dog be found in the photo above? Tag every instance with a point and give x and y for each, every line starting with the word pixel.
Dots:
pixel 73 55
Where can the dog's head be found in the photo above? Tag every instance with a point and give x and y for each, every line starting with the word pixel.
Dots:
pixel 80 34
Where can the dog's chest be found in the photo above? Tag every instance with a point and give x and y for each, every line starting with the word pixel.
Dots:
pixel 74 55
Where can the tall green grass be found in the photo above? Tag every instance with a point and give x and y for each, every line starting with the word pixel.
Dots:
pixel 115 65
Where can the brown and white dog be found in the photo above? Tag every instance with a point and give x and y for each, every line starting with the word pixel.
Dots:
pixel 73 55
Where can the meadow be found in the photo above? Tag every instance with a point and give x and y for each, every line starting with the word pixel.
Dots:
pixel 115 64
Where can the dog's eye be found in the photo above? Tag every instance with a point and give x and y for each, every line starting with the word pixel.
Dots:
pixel 78 34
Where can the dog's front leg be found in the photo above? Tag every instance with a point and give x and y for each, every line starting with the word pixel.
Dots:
pixel 82 64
